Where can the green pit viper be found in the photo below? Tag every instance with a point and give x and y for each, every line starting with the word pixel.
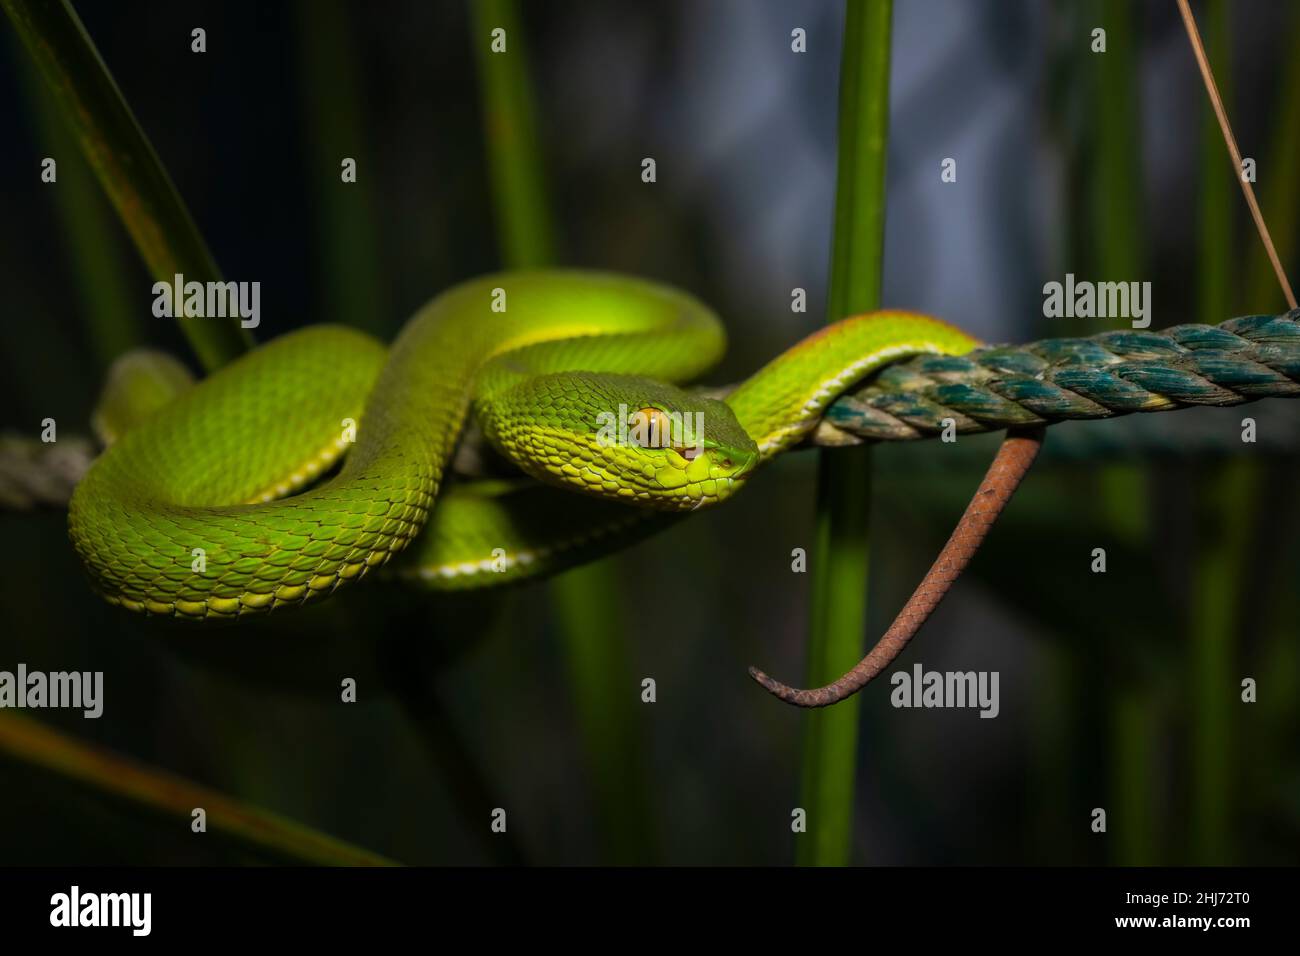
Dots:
pixel 216 502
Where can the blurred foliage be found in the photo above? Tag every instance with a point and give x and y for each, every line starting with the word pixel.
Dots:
pixel 839 557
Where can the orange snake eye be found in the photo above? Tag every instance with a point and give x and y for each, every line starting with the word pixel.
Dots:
pixel 650 428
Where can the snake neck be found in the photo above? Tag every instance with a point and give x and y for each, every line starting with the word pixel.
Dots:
pixel 783 401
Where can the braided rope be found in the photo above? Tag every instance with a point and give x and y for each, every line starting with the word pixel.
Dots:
pixel 34 474
pixel 1054 380
pixel 990 389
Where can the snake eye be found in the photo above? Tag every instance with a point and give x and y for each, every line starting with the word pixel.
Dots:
pixel 650 428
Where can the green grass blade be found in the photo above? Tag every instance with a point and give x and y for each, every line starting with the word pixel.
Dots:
pixel 87 223
pixel 349 237
pixel 586 601
pixel 1279 189
pixel 605 698
pixel 1117 254
pixel 1276 653
pixel 523 218
pixel 840 550
pixel 34 743
pixel 125 162
pixel 1223 492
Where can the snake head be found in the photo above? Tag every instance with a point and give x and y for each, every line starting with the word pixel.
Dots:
pixel 623 438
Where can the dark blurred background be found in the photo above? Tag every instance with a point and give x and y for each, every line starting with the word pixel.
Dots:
pixel 1107 699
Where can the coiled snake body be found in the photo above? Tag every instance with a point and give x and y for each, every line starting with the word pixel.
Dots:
pixel 193 512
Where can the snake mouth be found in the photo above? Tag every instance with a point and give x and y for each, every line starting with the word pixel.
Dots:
pixel 711 492
pixel 694 481
pixel 723 488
